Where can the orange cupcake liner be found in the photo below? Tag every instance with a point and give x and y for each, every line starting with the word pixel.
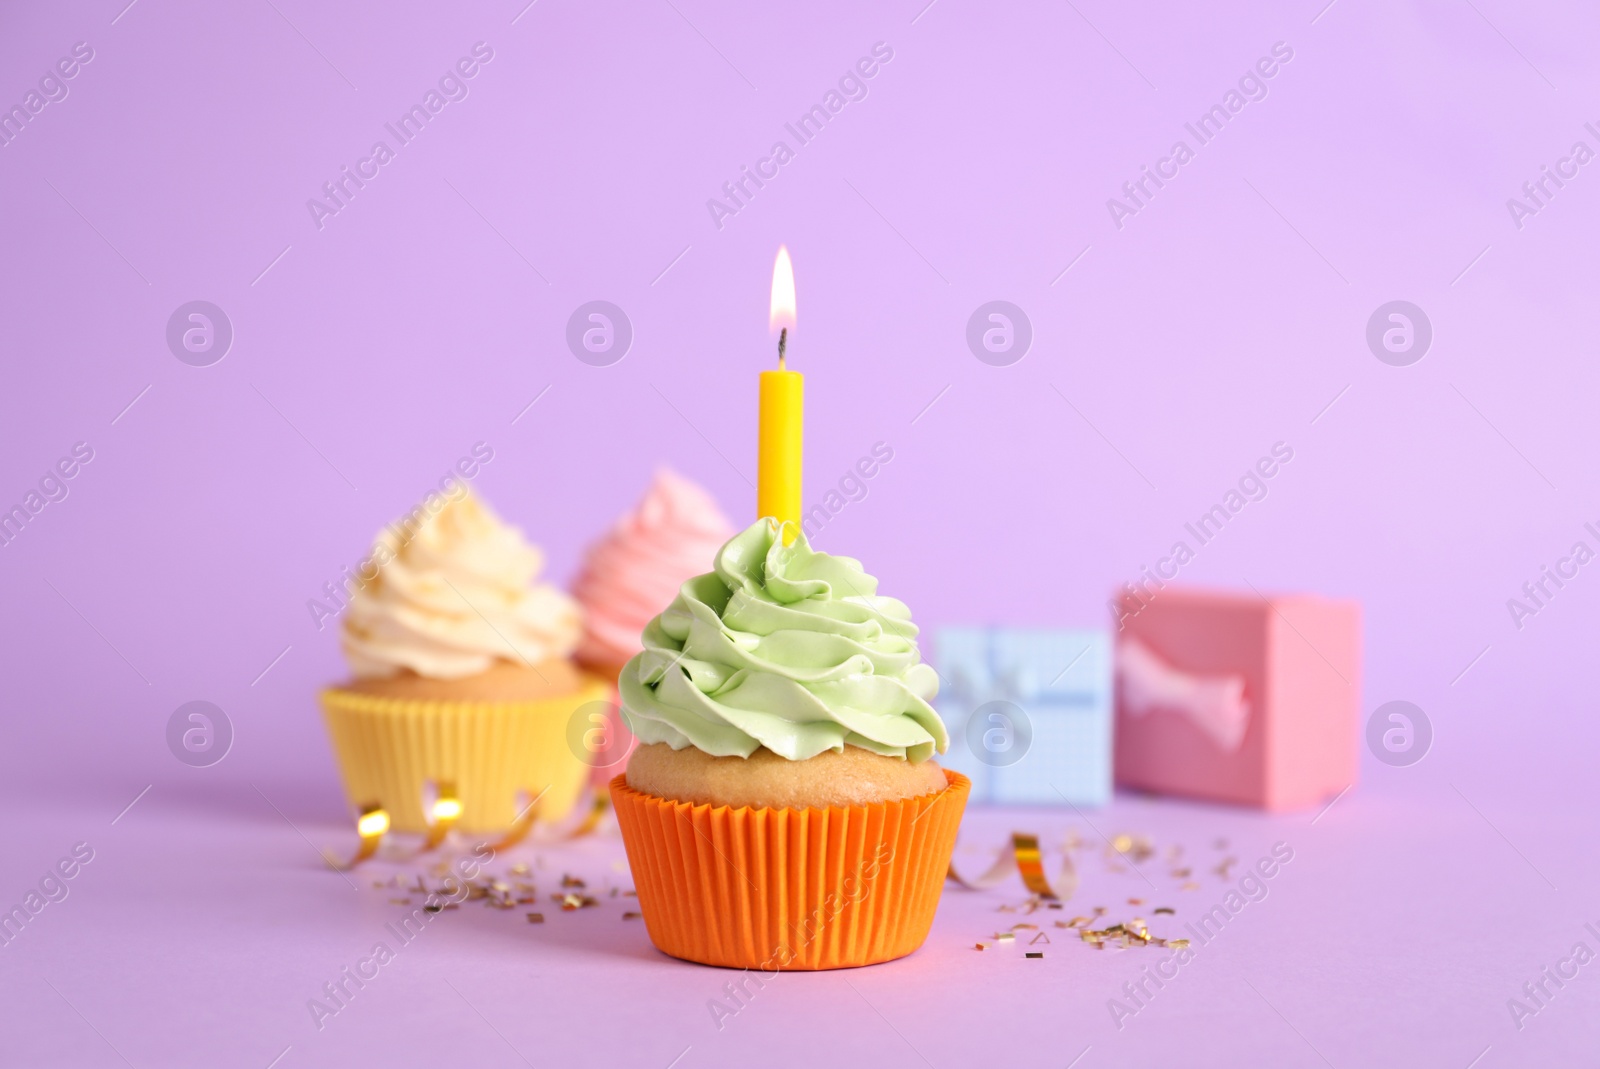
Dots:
pixel 388 748
pixel 775 889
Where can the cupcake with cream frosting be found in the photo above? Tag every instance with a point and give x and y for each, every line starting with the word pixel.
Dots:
pixel 461 673
pixel 782 810
pixel 627 576
pixel 640 564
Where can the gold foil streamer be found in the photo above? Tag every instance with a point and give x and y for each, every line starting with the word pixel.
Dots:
pixel 591 820
pixel 443 806
pixel 1024 857
pixel 371 825
pixel 527 814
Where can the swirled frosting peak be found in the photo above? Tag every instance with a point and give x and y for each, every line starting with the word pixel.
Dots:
pixel 453 593
pixel 640 563
pixel 783 647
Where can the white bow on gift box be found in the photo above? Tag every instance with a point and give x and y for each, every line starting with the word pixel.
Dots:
pixel 1215 704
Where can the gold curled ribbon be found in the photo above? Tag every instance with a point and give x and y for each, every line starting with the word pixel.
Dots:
pixel 440 804
pixel 1024 857
pixel 598 805
pixel 443 807
pixel 528 816
pixel 591 820
pixel 522 824
pixel 372 823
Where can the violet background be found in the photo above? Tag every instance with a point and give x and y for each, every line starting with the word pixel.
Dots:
pixel 1221 319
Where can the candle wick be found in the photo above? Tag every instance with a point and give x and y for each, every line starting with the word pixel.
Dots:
pixel 783 344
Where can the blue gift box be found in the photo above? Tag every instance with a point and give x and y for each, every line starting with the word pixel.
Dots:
pixel 1029 713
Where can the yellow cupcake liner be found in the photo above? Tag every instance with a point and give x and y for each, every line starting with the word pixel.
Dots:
pixel 388 749
pixel 774 889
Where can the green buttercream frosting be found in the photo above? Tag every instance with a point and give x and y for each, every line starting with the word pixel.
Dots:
pixel 783 647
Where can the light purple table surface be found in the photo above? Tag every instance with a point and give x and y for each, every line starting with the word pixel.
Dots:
pixel 1171 349
pixel 1411 911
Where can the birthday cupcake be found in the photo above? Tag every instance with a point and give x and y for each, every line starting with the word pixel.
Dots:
pixel 627 576
pixel 639 564
pixel 461 673
pixel 782 810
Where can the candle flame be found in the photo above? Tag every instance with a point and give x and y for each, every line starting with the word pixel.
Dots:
pixel 783 310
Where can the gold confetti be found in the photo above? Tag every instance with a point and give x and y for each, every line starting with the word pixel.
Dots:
pixel 1168 910
pixel 1180 874
pixel 570 902
pixel 1014 927
pixel 1035 954
pixel 1055 905
pixel 1177 944
pixel 1134 847
pixel 520 869
pixel 1040 938
pixel 1135 901
pixel 526 900
pixel 572 881
pixel 536 918
pixel 1004 937
pixel 631 916
pixel 1190 886
pixel 400 901
pixel 979 946
pixel 1227 863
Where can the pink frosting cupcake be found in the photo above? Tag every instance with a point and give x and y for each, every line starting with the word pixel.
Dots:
pixel 672 535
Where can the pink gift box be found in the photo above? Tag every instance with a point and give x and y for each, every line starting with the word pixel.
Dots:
pixel 1292 741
